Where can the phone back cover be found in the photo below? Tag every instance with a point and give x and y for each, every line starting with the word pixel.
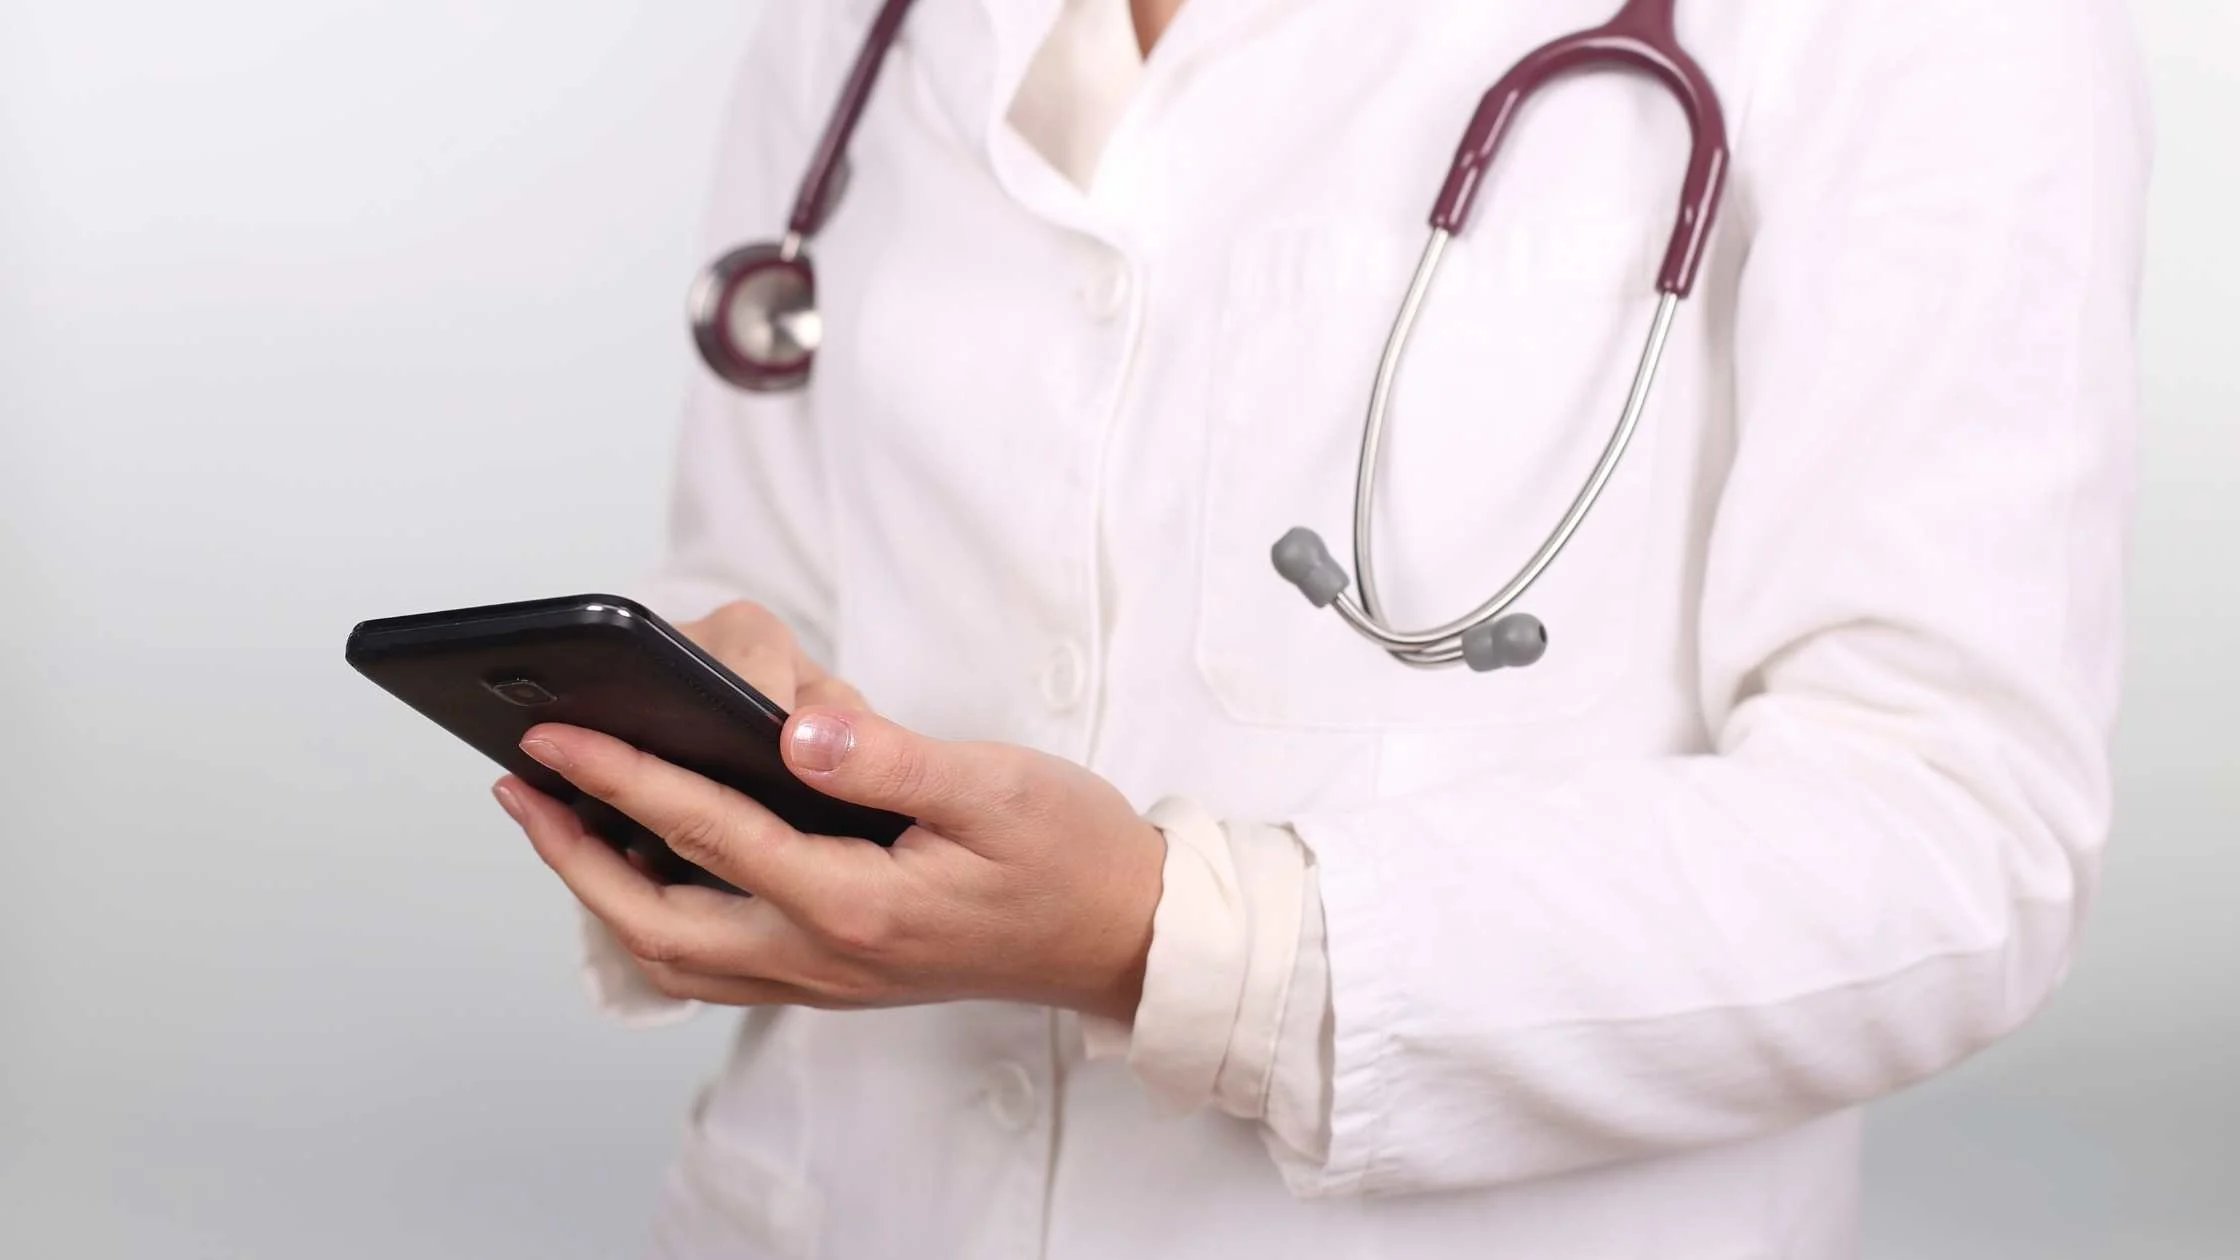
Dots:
pixel 614 671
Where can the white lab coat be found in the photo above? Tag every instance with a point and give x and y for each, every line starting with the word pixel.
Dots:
pixel 1805 801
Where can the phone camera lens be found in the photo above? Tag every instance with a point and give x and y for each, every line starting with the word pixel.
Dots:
pixel 524 692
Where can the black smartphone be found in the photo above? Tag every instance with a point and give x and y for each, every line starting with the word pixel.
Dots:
pixel 607 664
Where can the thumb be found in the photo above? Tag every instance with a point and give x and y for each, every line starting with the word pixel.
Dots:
pixel 868 760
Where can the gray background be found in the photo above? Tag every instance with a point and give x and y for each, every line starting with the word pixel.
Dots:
pixel 309 311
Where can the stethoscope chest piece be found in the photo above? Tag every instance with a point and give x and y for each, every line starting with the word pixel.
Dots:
pixel 754 312
pixel 754 316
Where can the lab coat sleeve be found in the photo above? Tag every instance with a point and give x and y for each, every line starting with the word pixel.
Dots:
pixel 1225 961
pixel 748 495
pixel 1909 640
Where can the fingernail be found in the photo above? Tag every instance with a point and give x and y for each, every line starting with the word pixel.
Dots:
pixel 544 750
pixel 509 802
pixel 821 741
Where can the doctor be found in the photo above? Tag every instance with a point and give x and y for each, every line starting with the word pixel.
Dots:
pixel 1224 934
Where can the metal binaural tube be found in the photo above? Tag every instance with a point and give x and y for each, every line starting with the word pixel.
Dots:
pixel 1380 405
pixel 1441 644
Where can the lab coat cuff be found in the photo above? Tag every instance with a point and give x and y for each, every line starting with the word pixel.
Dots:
pixel 1362 945
pixel 1194 975
pixel 1271 868
pixel 618 989
pixel 1295 1124
pixel 1218 983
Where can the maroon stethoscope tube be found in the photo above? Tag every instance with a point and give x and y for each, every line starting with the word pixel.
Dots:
pixel 1640 37
pixel 827 165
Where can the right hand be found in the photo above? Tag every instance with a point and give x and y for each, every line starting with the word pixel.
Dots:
pixel 751 641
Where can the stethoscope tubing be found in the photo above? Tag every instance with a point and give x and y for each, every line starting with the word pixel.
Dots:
pixel 753 311
pixel 1440 645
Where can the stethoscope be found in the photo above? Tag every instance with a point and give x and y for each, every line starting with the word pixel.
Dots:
pixel 754 313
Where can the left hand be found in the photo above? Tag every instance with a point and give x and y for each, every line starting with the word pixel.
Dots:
pixel 1027 878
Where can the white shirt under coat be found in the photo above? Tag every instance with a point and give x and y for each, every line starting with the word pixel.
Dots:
pixel 1592 959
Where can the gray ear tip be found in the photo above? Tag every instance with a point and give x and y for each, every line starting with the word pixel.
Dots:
pixel 1298 549
pixel 1303 561
pixel 1510 642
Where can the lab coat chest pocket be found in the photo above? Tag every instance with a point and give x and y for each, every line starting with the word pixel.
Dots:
pixel 1511 384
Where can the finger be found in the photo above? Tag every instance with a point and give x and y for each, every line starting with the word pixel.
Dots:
pixel 710 825
pixel 674 924
pixel 767 669
pixel 828 692
pixel 864 758
pixel 677 982
pixel 755 644
pixel 813 684
pixel 752 643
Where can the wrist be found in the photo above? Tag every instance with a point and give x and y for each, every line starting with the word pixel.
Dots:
pixel 1130 894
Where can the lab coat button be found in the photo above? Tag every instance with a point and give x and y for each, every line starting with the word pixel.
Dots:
pixel 1065 676
pixel 1011 1096
pixel 1106 291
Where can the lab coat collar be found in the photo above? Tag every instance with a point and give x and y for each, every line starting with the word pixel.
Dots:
pixel 974 54
pixel 1205 26
pixel 1022 25
pixel 969 57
